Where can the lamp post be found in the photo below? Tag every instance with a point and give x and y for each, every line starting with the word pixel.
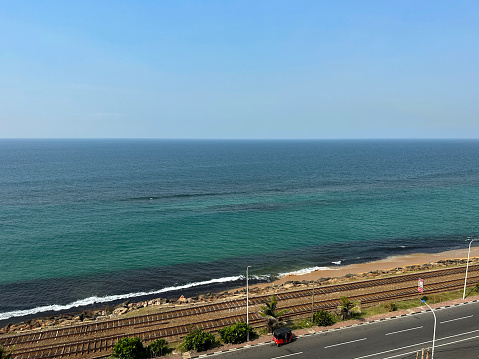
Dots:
pixel 434 333
pixel 247 305
pixel 312 307
pixel 467 267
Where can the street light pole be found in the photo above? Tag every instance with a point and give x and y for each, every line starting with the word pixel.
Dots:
pixel 467 267
pixel 247 305
pixel 434 333
pixel 312 307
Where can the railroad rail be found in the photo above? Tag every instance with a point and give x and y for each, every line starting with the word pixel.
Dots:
pixel 98 340
pixel 154 319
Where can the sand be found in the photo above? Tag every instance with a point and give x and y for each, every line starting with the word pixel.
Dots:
pixel 384 264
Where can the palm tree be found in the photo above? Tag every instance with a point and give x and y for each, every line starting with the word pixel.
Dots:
pixel 4 354
pixel 268 311
pixel 347 308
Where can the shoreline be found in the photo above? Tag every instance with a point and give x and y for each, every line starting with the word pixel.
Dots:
pixel 389 263
pixel 366 269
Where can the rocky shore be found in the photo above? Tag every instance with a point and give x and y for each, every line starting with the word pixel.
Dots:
pixel 162 304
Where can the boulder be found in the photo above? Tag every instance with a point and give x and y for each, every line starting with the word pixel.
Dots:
pixel 120 311
pixel 182 299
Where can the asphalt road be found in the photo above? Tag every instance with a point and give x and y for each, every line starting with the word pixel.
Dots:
pixel 457 337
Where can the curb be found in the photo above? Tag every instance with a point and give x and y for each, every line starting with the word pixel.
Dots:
pixel 188 355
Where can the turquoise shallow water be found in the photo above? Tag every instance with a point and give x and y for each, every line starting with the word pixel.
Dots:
pixel 85 221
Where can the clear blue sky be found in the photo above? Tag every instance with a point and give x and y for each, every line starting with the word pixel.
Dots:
pixel 239 69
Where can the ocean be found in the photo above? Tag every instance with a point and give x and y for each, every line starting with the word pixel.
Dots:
pixel 94 222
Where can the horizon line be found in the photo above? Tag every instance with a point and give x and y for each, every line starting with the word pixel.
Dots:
pixel 243 139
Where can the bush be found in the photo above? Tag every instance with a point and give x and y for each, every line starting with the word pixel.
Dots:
pixel 323 318
pixel 199 340
pixel 236 333
pixel 4 354
pixel 392 307
pixel 158 347
pixel 129 348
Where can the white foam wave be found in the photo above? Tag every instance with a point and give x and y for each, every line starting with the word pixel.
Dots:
pixel 110 298
pixel 261 277
pixel 304 271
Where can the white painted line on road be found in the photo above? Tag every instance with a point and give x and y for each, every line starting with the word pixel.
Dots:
pixel 393 350
pixel 352 341
pixel 458 335
pixel 458 341
pixel 287 355
pixel 437 346
pixel 419 345
pixel 453 320
pixel 404 330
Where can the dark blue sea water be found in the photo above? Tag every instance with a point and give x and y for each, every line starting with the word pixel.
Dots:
pixel 85 221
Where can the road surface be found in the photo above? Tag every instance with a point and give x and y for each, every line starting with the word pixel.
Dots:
pixel 457 336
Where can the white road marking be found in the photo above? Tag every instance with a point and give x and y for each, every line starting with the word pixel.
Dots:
pixel 453 320
pixel 440 345
pixel 404 330
pixel 352 341
pixel 420 345
pixel 458 335
pixel 393 350
pixel 287 355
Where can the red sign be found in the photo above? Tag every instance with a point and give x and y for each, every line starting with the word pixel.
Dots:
pixel 420 285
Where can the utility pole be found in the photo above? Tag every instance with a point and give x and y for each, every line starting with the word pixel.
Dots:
pixel 467 267
pixel 247 305
pixel 312 307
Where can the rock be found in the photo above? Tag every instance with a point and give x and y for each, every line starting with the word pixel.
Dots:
pixel 6 329
pixel 120 311
pixel 124 304
pixel 182 299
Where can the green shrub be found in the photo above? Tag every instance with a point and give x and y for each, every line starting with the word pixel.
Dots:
pixel 236 333
pixel 392 307
pixel 323 318
pixel 129 348
pixel 199 340
pixel 158 347
pixel 4 354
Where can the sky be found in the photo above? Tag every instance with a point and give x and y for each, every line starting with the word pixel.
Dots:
pixel 239 69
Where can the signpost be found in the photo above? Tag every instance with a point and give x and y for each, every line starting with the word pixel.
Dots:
pixel 420 285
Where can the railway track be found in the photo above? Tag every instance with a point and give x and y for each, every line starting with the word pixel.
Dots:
pixel 96 339
pixel 153 319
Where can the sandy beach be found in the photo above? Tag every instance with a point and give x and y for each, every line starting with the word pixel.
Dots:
pixel 392 262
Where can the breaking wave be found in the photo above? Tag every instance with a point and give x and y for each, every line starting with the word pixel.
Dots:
pixel 110 298
pixel 304 271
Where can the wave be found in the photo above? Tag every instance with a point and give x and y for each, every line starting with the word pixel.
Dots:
pixel 110 298
pixel 304 271
pixel 262 278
